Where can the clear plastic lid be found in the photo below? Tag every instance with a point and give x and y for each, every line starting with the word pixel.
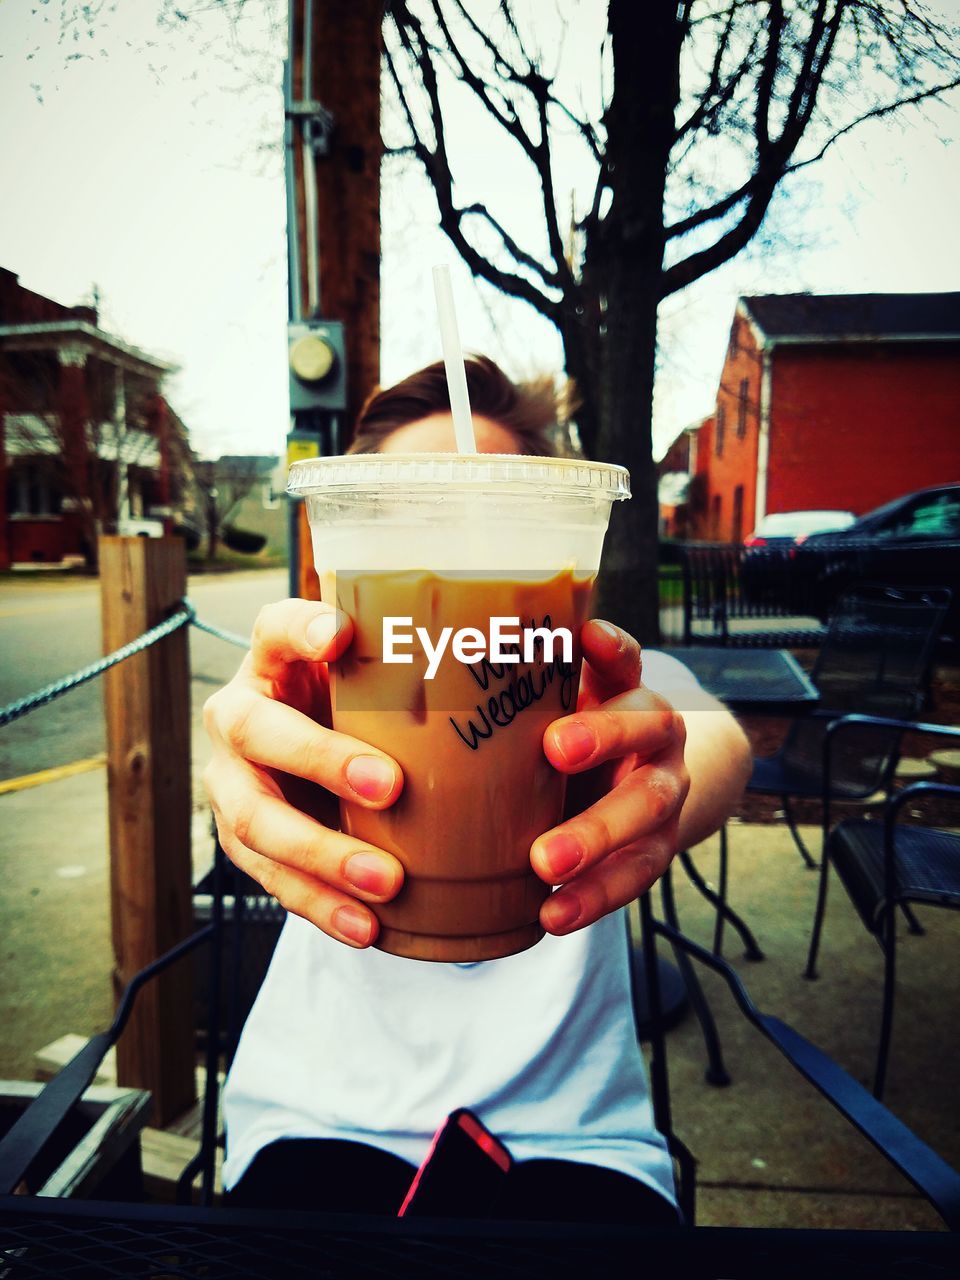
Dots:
pixel 375 472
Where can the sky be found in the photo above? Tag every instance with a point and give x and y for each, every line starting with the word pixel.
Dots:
pixel 146 160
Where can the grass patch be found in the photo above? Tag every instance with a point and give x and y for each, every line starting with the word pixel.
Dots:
pixel 231 561
pixel 670 578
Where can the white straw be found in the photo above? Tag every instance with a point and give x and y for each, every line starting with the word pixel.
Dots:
pixel 453 361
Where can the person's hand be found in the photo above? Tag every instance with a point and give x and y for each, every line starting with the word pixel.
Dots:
pixel 277 768
pixel 624 746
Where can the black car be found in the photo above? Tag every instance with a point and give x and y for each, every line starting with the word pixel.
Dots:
pixel 913 541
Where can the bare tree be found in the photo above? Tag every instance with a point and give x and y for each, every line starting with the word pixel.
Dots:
pixel 222 486
pixel 709 106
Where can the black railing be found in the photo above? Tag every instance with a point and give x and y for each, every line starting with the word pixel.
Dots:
pixel 729 594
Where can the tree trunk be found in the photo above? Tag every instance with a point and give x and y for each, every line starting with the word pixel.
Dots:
pixel 646 45
pixel 93 557
pixel 580 332
pixel 628 592
pixel 213 533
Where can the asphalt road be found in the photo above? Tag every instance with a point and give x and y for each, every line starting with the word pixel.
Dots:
pixel 49 628
pixel 54 843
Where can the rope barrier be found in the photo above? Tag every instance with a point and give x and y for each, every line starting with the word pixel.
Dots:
pixel 231 637
pixel 186 615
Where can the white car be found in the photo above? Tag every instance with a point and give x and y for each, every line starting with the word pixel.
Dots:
pixel 786 528
pixel 139 527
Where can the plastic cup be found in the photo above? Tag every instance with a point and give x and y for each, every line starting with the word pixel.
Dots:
pixel 452 541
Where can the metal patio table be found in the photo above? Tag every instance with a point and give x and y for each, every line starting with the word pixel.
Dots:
pixel 747 681
pixel 751 681
pixel 47 1237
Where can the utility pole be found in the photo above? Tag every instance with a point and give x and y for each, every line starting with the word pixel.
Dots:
pixel 333 150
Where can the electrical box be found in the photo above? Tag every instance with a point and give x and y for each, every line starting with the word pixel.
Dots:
pixel 318 366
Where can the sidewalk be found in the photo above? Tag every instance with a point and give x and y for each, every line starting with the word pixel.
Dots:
pixel 57 955
pixel 770 1152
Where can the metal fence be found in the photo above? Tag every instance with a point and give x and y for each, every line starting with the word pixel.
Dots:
pixel 723 594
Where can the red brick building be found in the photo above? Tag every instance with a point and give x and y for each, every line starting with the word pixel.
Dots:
pixel 675 470
pixel 836 402
pixel 87 441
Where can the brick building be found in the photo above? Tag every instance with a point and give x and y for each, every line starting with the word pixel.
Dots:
pixel 88 443
pixel 836 402
pixel 674 471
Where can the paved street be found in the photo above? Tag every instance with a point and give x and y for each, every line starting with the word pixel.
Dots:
pixel 54 886
pixel 48 629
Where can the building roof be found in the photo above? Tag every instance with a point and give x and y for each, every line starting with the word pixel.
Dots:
pixel 30 321
pixel 257 463
pixel 845 317
pixel 54 333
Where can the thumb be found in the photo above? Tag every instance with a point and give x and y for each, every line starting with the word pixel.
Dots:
pixel 298 631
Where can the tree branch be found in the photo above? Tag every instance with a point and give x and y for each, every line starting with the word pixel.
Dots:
pixel 768 76
pixel 478 210
pixel 586 130
pixel 437 166
pixel 761 186
pixel 512 24
pixel 714 211
pixel 772 156
pixel 715 95
pixel 499 60
pixel 540 88
pixel 511 123
pixel 803 95
pixel 875 113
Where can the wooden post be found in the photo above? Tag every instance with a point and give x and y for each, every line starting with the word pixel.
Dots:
pixel 147 706
pixel 345 55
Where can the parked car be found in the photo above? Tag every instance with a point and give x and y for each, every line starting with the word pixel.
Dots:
pixel 768 550
pixel 139 527
pixel 913 541
pixel 783 528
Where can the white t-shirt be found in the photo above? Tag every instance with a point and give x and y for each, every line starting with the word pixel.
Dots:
pixel 375 1048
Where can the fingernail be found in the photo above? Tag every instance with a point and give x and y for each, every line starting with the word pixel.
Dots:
pixel 370 872
pixel 562 910
pixel 610 630
pixel 575 742
pixel 322 630
pixel 370 777
pixel 561 853
pixel 353 923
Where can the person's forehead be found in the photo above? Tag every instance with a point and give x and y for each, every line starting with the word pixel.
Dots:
pixel 435 433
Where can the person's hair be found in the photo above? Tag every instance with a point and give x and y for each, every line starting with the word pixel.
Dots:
pixel 526 410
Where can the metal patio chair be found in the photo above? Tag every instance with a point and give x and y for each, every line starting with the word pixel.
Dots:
pixel 936 1181
pixel 875 660
pixel 241 926
pixel 885 864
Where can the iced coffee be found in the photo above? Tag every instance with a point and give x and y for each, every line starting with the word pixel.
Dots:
pixel 441 546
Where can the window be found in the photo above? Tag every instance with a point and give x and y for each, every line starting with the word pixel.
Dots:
pixel 935 516
pixel 715 513
pixel 738 514
pixel 742 408
pixel 721 430
pixel 735 340
pixel 31 490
